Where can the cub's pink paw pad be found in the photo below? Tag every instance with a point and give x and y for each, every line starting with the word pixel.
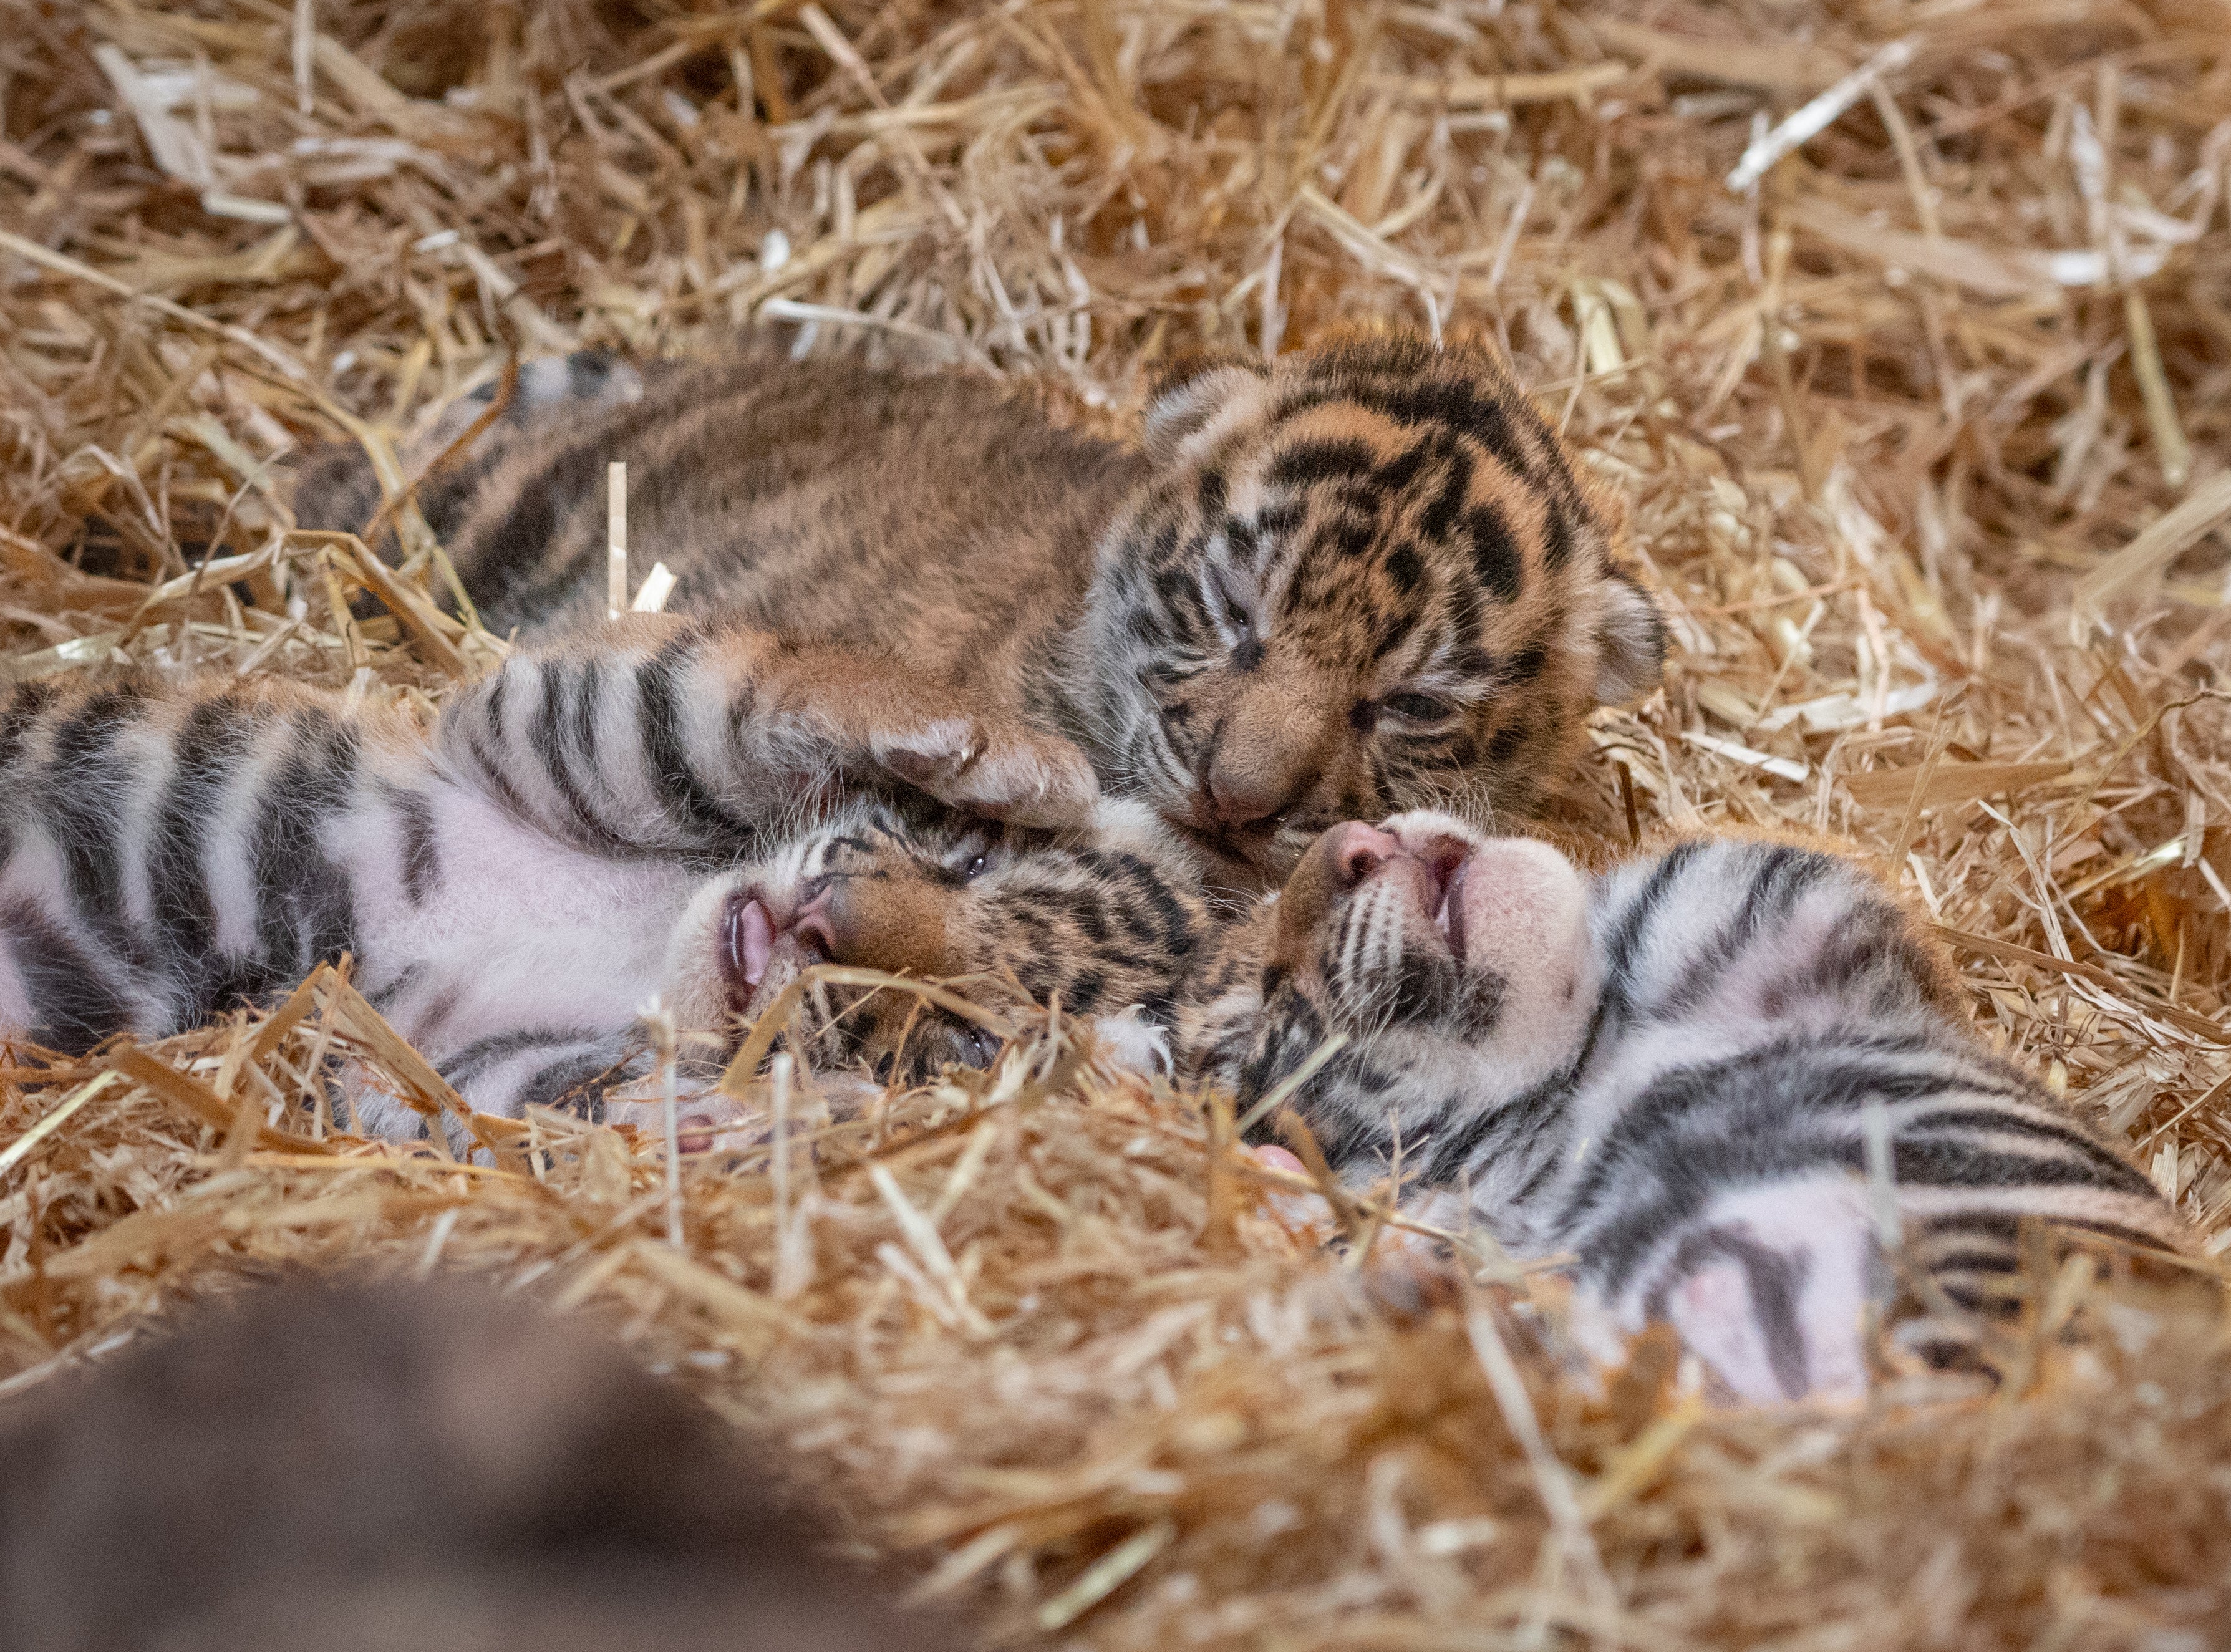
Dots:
pixel 1303 1212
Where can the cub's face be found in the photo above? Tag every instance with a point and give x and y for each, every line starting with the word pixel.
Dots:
pixel 1099 921
pixel 1456 967
pixel 1366 579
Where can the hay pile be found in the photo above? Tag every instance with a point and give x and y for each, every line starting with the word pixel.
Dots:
pixel 1924 435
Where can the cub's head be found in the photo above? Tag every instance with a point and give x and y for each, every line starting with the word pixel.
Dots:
pixel 1457 967
pixel 1102 920
pixel 1367 578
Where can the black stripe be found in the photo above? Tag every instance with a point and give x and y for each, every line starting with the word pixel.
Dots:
pixel 1634 918
pixel 211 746
pixel 1145 890
pixel 72 1007
pixel 81 785
pixel 1954 1163
pixel 2069 1137
pixel 1946 1349
pixel 1973 1300
pixel 682 794
pixel 577 1084
pixel 1520 1125
pixel 1302 463
pixel 2104 1230
pixel 1440 516
pixel 1742 1111
pixel 588 695
pixel 1975 1262
pixel 1448 404
pixel 587 371
pixel 24 706
pixel 491 705
pixel 383 997
pixel 477 1057
pixel 307 908
pixel 422 850
pixel 504 555
pixel 1557 524
pixel 1992 1224
pixel 546 735
pixel 1396 475
pixel 1770 891
pixel 1292 1030
pixel 1694 1132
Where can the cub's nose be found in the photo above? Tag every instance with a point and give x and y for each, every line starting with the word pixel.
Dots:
pixel 1239 796
pixel 1356 850
pixel 1278 743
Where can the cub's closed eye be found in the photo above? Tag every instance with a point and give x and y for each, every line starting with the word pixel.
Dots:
pixel 1420 708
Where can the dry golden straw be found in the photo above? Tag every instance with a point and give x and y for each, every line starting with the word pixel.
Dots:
pixel 1923 431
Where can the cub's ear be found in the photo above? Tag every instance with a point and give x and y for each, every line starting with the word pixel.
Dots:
pixel 1193 394
pixel 1630 642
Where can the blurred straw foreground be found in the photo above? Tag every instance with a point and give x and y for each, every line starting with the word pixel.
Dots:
pixel 1924 417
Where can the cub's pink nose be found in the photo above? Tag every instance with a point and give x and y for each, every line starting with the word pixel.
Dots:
pixel 1358 850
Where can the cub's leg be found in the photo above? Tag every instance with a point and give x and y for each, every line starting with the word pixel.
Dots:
pixel 664 735
pixel 1774 1286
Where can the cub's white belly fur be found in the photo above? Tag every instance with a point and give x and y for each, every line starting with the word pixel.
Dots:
pixel 520 931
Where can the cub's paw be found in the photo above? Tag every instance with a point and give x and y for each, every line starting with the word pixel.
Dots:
pixel 994 767
pixel 1774 1292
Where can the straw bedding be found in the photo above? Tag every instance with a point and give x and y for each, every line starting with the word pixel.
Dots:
pixel 1925 438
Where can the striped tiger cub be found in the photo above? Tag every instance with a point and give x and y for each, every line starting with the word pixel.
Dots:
pixel 1673 1071
pixel 669 811
pixel 1365 578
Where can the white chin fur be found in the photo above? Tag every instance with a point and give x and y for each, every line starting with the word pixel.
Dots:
pixel 1525 909
pixel 1525 918
pixel 1130 1044
pixel 1126 825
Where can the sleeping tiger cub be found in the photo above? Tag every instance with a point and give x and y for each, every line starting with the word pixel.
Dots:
pixel 1366 578
pixel 1673 1071
pixel 670 810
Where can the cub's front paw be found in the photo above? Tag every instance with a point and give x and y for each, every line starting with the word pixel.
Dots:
pixel 1774 1291
pixel 995 767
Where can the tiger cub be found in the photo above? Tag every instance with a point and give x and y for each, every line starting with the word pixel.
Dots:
pixel 1367 578
pixel 654 814
pixel 1673 1071
pixel 437 1466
